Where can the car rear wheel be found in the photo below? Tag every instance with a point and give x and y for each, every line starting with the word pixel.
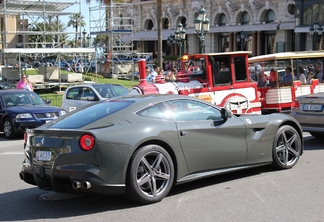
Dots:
pixel 150 175
pixel 287 147
pixel 8 129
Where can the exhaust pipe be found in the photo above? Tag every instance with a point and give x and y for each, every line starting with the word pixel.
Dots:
pixel 76 184
pixel 86 185
pixel 22 175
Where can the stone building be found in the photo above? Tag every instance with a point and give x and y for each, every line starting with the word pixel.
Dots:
pixel 270 26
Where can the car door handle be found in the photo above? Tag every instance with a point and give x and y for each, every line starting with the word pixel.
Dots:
pixel 183 133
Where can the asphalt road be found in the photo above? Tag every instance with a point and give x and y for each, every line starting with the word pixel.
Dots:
pixel 259 194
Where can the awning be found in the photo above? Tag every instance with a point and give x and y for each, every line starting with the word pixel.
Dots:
pixel 35 7
pixel 247 28
pixel 49 50
pixel 302 29
pixel 287 26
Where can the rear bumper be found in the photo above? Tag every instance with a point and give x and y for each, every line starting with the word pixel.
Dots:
pixel 310 123
pixel 69 179
pixel 78 182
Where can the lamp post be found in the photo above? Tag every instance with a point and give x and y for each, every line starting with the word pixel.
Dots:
pixel 171 40
pixel 242 39
pixel 316 32
pixel 84 33
pixel 202 27
pixel 180 36
pixel 89 40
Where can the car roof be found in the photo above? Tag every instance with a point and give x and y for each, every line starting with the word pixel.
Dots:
pixel 155 98
pixel 94 85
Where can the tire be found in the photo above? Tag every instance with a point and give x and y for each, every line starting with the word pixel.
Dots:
pixel 317 135
pixel 150 175
pixel 287 147
pixel 8 129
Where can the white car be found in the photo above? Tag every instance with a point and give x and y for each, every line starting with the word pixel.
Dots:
pixel 80 95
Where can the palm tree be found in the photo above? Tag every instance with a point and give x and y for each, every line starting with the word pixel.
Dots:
pixel 76 21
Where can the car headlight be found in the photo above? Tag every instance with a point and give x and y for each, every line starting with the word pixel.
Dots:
pixel 62 112
pixel 24 116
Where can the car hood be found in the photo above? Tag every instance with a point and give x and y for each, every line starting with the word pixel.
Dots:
pixel 33 108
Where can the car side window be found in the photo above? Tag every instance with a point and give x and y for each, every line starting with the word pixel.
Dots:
pixel 156 111
pixel 86 93
pixel 187 110
pixel 73 94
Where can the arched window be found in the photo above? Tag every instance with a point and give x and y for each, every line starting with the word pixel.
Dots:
pixel 150 25
pixel 270 16
pixel 222 20
pixel 166 23
pixel 245 18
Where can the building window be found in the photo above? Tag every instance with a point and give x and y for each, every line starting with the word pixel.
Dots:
pixel 166 23
pixel 245 19
pixel 222 20
pixel 270 17
pixel 150 25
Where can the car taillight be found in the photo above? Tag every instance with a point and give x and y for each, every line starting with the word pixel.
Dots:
pixel 87 142
pixel 295 104
pixel 25 137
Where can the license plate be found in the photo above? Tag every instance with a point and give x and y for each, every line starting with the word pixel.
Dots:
pixel 43 155
pixel 312 107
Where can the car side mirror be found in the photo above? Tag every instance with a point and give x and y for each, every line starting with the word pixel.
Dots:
pixel 90 98
pixel 225 113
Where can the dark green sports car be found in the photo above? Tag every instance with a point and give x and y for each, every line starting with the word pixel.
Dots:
pixel 142 145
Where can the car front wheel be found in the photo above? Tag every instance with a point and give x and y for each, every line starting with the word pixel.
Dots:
pixel 8 129
pixel 150 175
pixel 287 147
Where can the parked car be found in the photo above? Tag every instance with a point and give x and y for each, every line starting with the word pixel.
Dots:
pixel 142 145
pixel 308 111
pixel 7 85
pixel 79 95
pixel 21 109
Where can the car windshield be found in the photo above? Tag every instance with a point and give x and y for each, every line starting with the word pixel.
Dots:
pixel 91 114
pixel 110 91
pixel 22 98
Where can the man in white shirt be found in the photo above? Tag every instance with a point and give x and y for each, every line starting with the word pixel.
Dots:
pixel 154 73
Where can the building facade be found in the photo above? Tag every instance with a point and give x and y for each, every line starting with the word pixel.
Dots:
pixel 269 26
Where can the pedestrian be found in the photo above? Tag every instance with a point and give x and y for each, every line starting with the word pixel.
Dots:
pixel 288 76
pixel 310 76
pixel 25 84
pixel 148 72
pixel 302 77
pixel 154 73
pixel 319 71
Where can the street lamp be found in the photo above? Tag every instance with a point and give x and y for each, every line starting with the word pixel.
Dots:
pixel 316 32
pixel 84 33
pixel 171 40
pixel 202 27
pixel 242 39
pixel 180 36
pixel 88 40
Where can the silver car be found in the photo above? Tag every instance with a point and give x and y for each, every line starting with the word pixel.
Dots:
pixel 308 111
pixel 80 95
